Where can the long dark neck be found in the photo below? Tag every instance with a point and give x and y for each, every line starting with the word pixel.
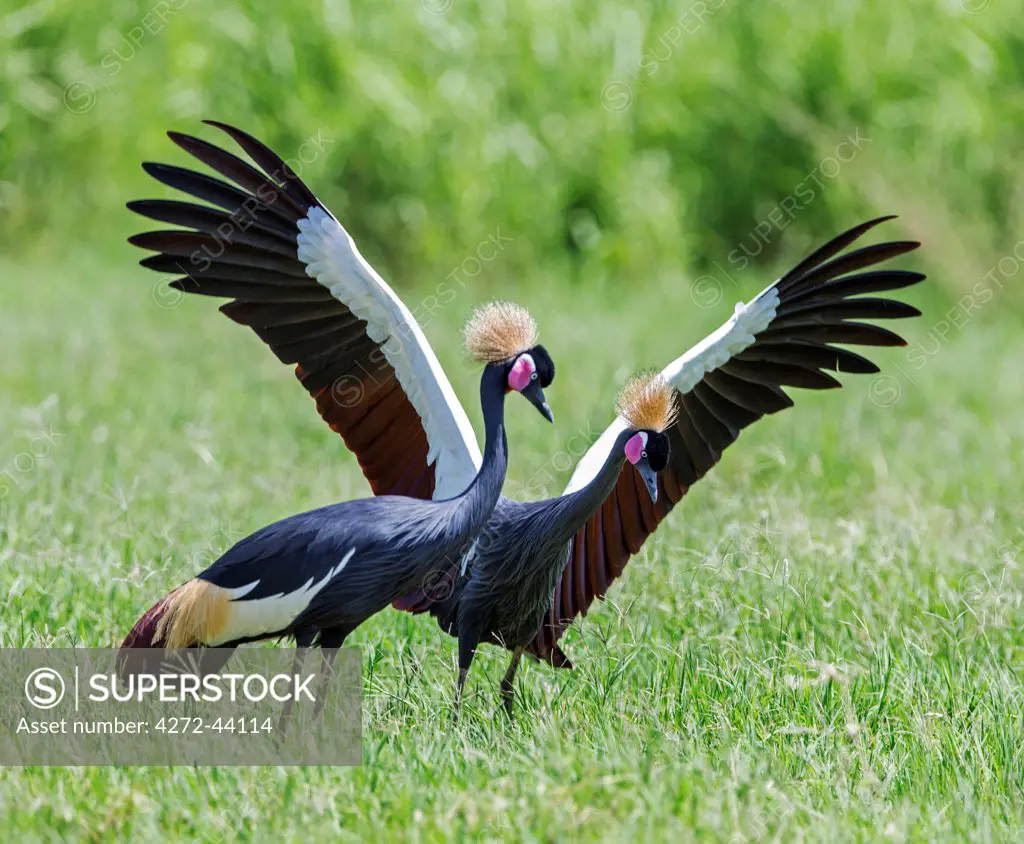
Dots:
pixel 477 502
pixel 570 512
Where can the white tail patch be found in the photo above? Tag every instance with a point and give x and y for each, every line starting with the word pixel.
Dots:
pixel 260 616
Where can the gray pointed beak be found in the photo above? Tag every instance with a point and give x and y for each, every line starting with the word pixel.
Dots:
pixel 650 479
pixel 535 395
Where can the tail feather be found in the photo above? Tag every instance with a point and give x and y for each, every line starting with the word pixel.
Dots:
pixel 144 634
pixel 194 614
pixel 551 654
pixel 415 603
pixel 558 658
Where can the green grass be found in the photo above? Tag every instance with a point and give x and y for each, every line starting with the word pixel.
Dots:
pixel 824 640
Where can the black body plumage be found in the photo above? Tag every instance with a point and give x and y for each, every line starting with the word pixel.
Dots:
pixel 517 560
pixel 505 589
pixel 384 546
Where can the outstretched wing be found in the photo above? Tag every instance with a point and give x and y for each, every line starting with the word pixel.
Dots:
pixel 783 338
pixel 297 279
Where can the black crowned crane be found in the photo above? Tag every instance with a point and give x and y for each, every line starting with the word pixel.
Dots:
pixel 785 337
pixel 538 565
pixel 318 575
pixel 511 573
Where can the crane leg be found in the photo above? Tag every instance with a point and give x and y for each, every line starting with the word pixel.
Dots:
pixel 330 640
pixel 302 642
pixel 467 650
pixel 508 691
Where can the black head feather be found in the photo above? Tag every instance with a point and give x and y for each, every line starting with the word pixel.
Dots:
pixel 545 365
pixel 658 450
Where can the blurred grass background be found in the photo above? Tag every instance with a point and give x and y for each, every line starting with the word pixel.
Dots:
pixel 616 140
pixel 823 642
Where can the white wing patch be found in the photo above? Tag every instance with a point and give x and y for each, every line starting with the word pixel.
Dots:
pixel 730 339
pixel 685 373
pixel 332 258
pixel 260 616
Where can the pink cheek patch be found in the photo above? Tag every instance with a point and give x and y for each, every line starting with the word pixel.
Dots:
pixel 634 448
pixel 519 375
